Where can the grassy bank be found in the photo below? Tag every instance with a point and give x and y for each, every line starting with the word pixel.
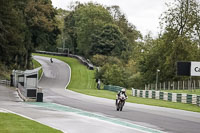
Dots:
pixel 81 77
pixel 4 72
pixel 11 123
pixel 83 81
pixel 36 65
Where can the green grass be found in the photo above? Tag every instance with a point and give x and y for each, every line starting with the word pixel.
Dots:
pixel 4 72
pixel 81 77
pixel 197 91
pixel 11 123
pixel 36 65
pixel 83 81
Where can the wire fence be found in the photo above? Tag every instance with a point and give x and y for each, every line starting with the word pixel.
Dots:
pixel 175 85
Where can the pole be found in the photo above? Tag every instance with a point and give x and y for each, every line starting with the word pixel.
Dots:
pixel 157 78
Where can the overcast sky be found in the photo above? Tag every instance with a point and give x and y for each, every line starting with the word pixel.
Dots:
pixel 144 14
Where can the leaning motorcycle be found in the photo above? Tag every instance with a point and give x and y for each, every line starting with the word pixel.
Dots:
pixel 120 103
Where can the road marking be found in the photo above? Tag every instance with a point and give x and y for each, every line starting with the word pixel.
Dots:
pixel 59 107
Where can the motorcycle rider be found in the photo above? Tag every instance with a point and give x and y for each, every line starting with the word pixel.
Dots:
pixel 51 60
pixel 122 92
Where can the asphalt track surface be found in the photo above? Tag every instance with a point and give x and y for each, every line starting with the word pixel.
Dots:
pixel 83 113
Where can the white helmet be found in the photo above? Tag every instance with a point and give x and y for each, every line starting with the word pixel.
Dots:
pixel 123 90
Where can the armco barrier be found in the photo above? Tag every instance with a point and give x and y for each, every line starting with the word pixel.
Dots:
pixel 173 97
pixel 82 59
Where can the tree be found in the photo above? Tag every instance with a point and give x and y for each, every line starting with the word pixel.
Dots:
pixel 12 35
pixel 40 17
pixel 109 42
pixel 25 25
pixel 85 20
pixel 177 42
pixel 61 15
pixel 182 19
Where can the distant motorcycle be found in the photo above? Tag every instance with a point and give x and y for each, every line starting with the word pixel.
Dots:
pixel 120 102
pixel 51 60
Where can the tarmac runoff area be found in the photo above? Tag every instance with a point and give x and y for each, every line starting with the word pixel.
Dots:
pixel 72 112
pixel 65 118
pixel 72 120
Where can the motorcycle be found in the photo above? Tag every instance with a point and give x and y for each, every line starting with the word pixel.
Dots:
pixel 120 102
pixel 51 60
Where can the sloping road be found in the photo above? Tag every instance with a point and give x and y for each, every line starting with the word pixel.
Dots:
pixel 74 113
pixel 168 120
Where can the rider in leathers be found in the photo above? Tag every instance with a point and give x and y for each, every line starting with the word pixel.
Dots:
pixel 123 91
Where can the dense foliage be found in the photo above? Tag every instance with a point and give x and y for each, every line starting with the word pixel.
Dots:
pixel 104 35
pixel 25 26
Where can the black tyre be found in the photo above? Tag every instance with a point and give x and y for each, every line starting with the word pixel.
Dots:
pixel 121 108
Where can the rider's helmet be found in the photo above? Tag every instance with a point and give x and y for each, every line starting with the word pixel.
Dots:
pixel 123 90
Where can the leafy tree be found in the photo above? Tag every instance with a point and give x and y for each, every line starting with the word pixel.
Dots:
pixel 25 25
pixel 178 42
pixel 40 17
pixel 109 42
pixel 86 19
pixel 61 15
pixel 12 45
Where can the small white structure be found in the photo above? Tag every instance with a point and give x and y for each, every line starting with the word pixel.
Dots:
pixel 26 81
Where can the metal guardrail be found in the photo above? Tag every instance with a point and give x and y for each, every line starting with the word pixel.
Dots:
pixel 82 59
pixel 6 82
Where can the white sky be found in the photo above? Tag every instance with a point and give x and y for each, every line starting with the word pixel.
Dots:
pixel 144 14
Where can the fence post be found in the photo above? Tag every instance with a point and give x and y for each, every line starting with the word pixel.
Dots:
pixel 164 86
pixel 160 86
pixel 168 85
pixel 183 85
pixel 178 85
pixel 199 84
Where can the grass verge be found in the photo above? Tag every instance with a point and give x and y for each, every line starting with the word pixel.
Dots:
pixel 36 65
pixel 81 77
pixel 83 81
pixel 4 72
pixel 11 123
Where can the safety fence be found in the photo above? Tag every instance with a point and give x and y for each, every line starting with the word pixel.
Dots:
pixel 175 85
pixel 5 82
pixel 112 88
pixel 167 96
pixel 86 62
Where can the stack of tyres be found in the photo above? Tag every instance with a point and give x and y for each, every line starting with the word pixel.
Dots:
pixel 153 94
pixel 135 92
pixel 161 95
pixel 169 96
pixel 141 92
pixel 189 98
pixel 147 94
pixel 179 97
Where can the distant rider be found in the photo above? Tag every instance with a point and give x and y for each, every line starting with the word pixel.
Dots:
pixel 122 92
pixel 51 60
